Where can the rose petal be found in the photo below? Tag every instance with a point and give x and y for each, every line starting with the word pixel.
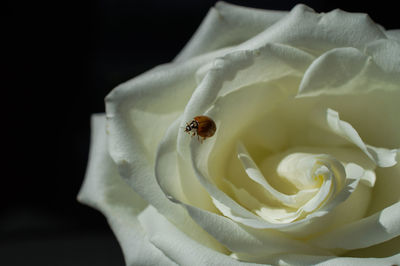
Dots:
pixel 381 227
pixel 318 33
pixel 294 259
pixel 271 214
pixel 246 240
pixel 277 60
pixel 336 70
pixel 166 170
pixel 137 248
pixel 301 27
pixel 178 246
pixel 382 157
pixel 255 174
pixel 227 25
pixel 178 184
pixel 104 189
pixel 348 71
pixel 386 190
pixel 393 34
pixel 384 53
pixel 385 249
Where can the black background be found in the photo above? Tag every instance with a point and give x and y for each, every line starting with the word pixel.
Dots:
pixel 59 60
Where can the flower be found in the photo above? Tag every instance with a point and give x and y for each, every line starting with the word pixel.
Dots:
pixel 302 168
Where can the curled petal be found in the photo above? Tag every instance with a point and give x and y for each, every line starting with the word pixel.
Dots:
pixel 382 157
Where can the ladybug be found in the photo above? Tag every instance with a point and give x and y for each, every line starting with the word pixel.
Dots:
pixel 201 125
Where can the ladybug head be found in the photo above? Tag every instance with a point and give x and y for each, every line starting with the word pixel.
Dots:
pixel 188 128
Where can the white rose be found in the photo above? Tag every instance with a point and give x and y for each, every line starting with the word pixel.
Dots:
pixel 302 168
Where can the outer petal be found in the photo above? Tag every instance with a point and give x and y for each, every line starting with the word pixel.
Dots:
pixel 348 71
pixel 228 25
pixel 302 27
pixel 386 54
pixel 177 246
pixel 104 190
pixel 393 34
pixel 318 33
pixel 385 249
pixel 305 260
pixel 366 232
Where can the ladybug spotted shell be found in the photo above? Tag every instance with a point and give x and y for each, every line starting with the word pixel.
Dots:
pixel 202 126
pixel 206 126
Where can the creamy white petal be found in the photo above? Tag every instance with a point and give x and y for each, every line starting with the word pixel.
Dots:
pixel 179 184
pixel 270 213
pixel 393 34
pixel 178 246
pixel 305 260
pixel 386 192
pixel 384 249
pixel 337 71
pixel 385 54
pixel 228 25
pixel 382 157
pixel 104 189
pixel 255 174
pixel 366 232
pixel 318 33
pixel 348 70
pixel 246 240
pixel 166 168
pixel 136 247
pixel 301 27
